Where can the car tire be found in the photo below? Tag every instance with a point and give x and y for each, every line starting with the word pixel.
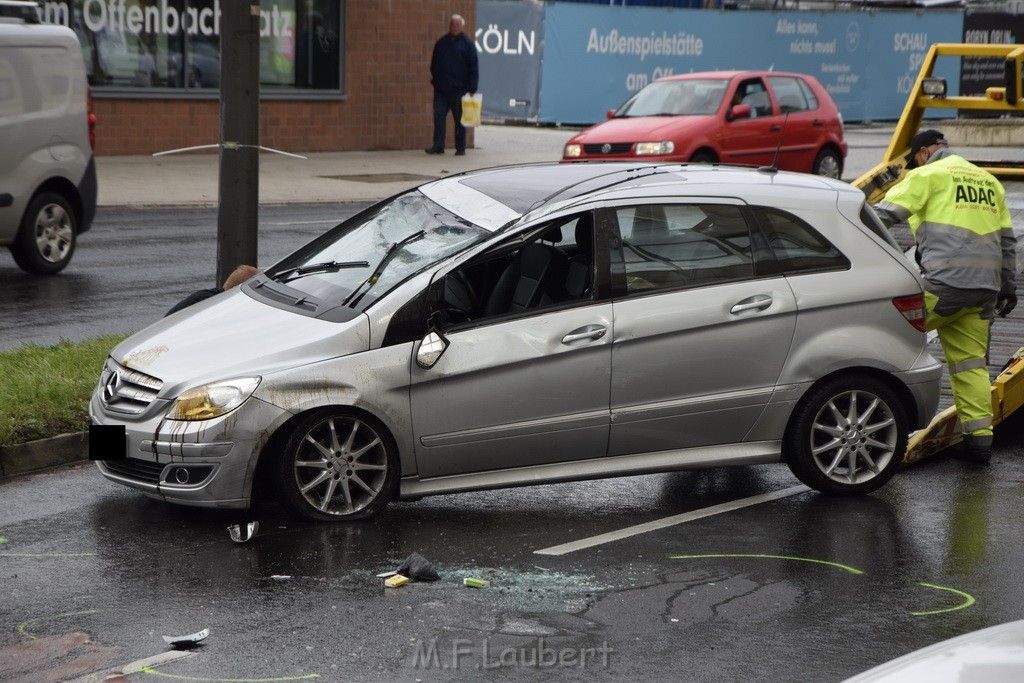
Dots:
pixel 847 436
pixel 46 239
pixel 702 158
pixel 337 465
pixel 828 164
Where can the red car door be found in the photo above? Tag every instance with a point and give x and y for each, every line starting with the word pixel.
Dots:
pixel 751 140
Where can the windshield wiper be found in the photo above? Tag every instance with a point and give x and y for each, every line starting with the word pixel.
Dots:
pixel 375 275
pixel 325 267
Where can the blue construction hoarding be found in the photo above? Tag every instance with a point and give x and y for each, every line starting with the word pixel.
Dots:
pixel 595 56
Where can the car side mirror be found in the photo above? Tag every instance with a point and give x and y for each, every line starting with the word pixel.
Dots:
pixel 611 113
pixel 739 111
pixel 432 347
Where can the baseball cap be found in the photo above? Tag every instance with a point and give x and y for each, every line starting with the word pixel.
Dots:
pixel 926 138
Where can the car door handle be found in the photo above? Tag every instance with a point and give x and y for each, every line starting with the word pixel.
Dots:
pixel 775 128
pixel 819 122
pixel 585 332
pixel 760 301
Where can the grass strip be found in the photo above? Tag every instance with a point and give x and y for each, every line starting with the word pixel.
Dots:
pixel 45 390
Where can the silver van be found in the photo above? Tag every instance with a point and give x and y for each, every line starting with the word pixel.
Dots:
pixel 536 324
pixel 47 172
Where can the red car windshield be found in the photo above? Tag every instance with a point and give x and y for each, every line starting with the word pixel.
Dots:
pixel 695 97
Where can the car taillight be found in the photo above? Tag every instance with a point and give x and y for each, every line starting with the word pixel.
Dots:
pixel 913 309
pixel 92 118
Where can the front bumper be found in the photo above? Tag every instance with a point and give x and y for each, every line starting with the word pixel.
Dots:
pixel 208 463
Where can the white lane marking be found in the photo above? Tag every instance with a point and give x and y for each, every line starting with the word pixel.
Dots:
pixel 600 539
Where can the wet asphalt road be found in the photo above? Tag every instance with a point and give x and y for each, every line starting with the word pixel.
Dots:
pixel 798 589
pixel 134 264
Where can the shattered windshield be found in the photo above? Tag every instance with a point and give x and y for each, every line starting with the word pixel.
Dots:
pixel 363 258
pixel 697 97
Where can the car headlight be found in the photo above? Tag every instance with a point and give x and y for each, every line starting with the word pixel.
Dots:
pixel 645 148
pixel 213 400
pixel 572 151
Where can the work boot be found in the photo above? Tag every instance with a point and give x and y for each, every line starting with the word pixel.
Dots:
pixel 976 449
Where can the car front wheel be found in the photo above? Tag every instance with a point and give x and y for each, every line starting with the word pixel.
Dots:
pixel 847 436
pixel 337 465
pixel 46 239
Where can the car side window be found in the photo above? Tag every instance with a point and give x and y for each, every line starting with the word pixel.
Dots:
pixel 796 245
pixel 791 97
pixel 678 245
pixel 812 99
pixel 549 267
pixel 754 94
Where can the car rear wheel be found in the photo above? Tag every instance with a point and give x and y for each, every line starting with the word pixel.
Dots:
pixel 337 465
pixel 828 164
pixel 847 436
pixel 46 239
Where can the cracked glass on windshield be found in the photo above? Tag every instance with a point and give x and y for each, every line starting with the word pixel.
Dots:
pixel 363 258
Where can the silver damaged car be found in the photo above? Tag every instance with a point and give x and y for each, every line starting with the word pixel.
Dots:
pixel 536 324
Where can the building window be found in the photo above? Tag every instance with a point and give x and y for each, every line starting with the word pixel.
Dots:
pixel 175 44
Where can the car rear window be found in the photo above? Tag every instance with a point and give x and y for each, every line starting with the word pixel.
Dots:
pixel 796 245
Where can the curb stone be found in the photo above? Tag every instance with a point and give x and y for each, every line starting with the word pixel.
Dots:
pixel 43 453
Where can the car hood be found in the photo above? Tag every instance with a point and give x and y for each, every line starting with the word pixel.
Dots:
pixel 232 335
pixel 994 653
pixel 644 129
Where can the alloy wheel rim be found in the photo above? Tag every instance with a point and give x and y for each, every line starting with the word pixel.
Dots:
pixel 341 466
pixel 853 437
pixel 829 167
pixel 53 233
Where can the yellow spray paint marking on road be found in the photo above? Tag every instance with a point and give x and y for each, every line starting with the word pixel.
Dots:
pixel 154 672
pixel 968 599
pixel 47 554
pixel 23 627
pixel 844 567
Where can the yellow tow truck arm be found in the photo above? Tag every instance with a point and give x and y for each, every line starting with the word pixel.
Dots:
pixel 930 93
pixel 945 430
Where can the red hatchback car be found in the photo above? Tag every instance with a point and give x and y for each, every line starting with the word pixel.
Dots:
pixel 757 118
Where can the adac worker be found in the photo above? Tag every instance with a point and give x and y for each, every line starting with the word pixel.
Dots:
pixel 967 252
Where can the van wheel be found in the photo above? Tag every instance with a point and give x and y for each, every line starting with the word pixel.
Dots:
pixel 828 164
pixel 46 239
pixel 847 436
pixel 337 466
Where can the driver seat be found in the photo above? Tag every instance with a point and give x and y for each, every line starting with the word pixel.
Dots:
pixel 534 277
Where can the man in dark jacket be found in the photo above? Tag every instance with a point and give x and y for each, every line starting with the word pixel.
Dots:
pixel 454 71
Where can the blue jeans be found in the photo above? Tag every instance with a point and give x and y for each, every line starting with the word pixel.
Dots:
pixel 443 103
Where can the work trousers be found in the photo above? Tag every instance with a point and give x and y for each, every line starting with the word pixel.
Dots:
pixel 964 338
pixel 443 103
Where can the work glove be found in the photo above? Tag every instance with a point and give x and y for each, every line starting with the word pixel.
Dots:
pixel 1006 302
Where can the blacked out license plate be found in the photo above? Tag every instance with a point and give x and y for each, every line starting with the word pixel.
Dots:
pixel 108 442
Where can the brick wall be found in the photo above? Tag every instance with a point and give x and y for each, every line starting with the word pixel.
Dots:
pixel 388 101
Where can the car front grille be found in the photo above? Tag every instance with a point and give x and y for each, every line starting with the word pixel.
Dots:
pixel 609 148
pixel 139 470
pixel 126 390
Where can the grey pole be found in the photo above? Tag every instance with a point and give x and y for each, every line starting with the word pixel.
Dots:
pixel 237 217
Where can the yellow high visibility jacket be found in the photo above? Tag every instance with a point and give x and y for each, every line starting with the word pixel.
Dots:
pixel 959 217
